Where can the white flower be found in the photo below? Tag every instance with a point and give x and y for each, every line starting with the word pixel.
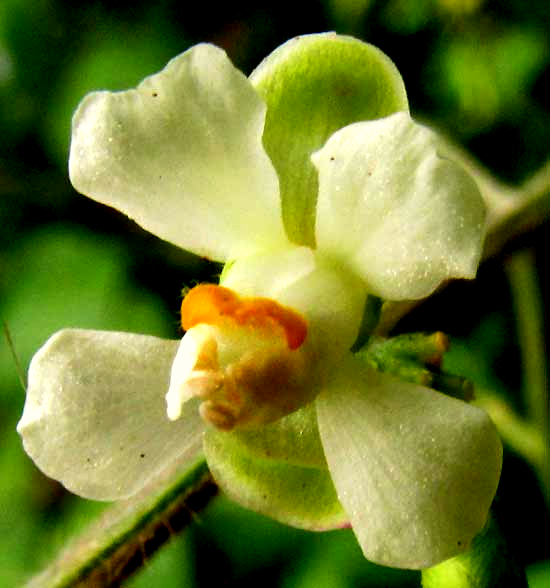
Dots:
pixel 379 212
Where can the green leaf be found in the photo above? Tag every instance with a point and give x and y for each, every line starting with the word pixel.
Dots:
pixel 313 86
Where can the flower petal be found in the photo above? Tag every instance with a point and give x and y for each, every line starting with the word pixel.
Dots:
pixel 182 155
pixel 314 85
pixel 404 218
pixel 415 470
pixel 303 497
pixel 95 417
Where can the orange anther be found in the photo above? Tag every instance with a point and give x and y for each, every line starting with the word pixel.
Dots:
pixel 211 304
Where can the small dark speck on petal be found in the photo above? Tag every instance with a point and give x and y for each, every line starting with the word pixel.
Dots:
pixel 154 94
pixel 332 158
pixel 142 455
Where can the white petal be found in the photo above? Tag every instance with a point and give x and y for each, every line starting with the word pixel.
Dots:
pixel 269 273
pixel 404 218
pixel 197 346
pixel 95 416
pixel 415 470
pixel 182 155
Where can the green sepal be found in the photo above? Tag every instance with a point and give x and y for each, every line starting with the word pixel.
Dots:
pixel 416 358
pixel 313 86
pixel 293 439
pixel 369 321
pixel 302 497
pixel 426 348
pixel 487 564
pixel 453 385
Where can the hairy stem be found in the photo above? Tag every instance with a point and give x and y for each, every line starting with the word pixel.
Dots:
pixel 130 532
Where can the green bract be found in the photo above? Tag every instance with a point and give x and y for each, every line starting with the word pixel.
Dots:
pixel 315 186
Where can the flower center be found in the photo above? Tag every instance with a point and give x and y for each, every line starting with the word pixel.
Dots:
pixel 212 305
pixel 243 357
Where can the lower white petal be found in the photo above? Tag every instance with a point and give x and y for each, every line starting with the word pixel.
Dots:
pixel 415 470
pixel 95 414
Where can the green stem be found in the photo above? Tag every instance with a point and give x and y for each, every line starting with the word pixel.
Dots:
pixel 515 213
pixel 130 532
pixel 523 281
pixel 528 310
pixel 518 433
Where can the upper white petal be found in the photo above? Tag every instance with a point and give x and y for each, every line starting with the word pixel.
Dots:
pixel 402 217
pixel 95 415
pixel 415 470
pixel 182 155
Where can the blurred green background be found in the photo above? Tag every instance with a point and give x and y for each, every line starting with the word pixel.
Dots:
pixel 477 69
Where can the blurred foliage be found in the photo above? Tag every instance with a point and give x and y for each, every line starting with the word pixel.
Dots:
pixel 478 69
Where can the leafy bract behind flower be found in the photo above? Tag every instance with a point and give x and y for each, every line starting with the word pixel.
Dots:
pixel 311 180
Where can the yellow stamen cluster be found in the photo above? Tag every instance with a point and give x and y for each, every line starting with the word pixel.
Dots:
pixel 247 361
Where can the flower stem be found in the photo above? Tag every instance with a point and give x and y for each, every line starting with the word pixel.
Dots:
pixel 518 212
pixel 523 280
pixel 519 434
pixel 130 532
